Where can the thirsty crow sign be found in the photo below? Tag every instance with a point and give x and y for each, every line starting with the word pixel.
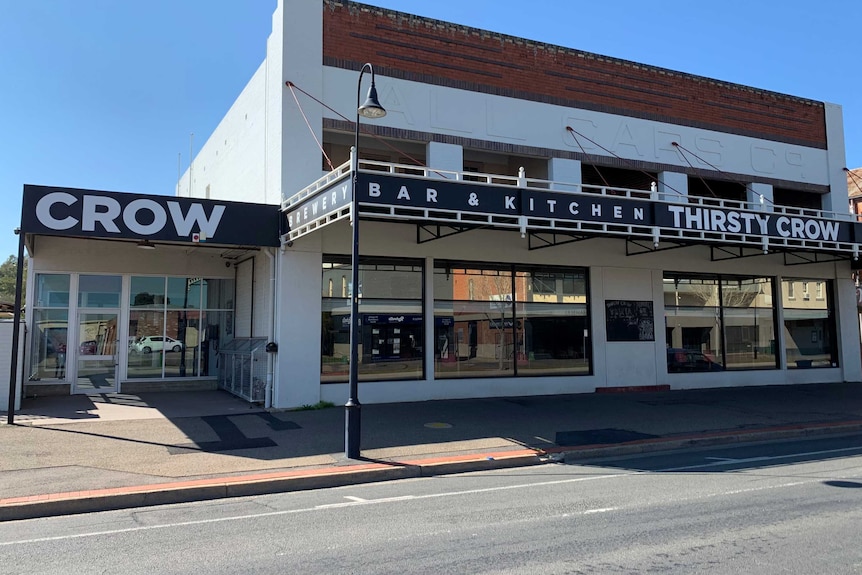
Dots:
pixel 99 214
pixel 459 196
pixel 753 223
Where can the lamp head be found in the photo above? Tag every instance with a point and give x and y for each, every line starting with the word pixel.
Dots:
pixel 372 108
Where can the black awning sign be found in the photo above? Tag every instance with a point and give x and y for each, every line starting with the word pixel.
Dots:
pixel 324 203
pixel 437 194
pixel 586 208
pixel 724 220
pixel 100 214
pixel 461 196
pixel 500 200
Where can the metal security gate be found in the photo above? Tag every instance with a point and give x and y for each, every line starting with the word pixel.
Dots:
pixel 243 364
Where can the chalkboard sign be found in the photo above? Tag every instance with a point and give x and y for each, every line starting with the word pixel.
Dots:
pixel 629 320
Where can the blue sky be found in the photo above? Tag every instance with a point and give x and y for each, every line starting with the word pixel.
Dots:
pixel 103 94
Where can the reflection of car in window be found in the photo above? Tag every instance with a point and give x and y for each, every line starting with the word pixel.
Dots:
pixel 686 360
pixel 87 348
pixel 153 343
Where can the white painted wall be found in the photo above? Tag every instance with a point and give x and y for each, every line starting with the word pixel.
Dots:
pixel 262 299
pixel 836 200
pixel 294 53
pixel 97 256
pixel 447 157
pixel 755 191
pixel 231 162
pixel 627 363
pixel 566 174
pixel 6 331
pixel 253 297
pixel 848 330
pixel 440 110
pixel 672 185
pixel 244 298
pixel 297 379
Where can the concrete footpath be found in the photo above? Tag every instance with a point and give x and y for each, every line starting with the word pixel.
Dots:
pixel 87 453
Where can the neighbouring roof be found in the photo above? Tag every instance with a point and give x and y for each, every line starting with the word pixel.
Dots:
pixel 854 182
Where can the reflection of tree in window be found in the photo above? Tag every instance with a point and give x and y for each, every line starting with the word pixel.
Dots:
pixel 144 299
pixel 544 283
pixel 512 323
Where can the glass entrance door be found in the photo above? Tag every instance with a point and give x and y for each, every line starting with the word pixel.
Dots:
pixel 97 359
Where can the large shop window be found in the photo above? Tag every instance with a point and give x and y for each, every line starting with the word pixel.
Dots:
pixel 504 320
pixel 717 322
pixel 809 324
pixel 177 324
pixel 390 310
pixel 50 327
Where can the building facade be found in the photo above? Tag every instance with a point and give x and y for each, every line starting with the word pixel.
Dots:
pixel 534 220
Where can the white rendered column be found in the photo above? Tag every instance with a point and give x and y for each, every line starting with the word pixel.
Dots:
pixel 565 174
pixel 672 185
pixel 293 161
pixel 444 157
pixel 759 196
pixel 836 199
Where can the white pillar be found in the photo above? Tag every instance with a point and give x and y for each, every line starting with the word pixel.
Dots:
pixel 753 194
pixel 294 53
pixel 444 157
pixel 565 174
pixel 836 199
pixel 672 185
pixel 846 313
pixel 297 380
pixel 428 306
pixel 293 160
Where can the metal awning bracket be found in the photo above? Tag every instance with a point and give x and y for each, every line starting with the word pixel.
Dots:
pixel 549 240
pixel 721 253
pixel 648 247
pixel 803 258
pixel 430 232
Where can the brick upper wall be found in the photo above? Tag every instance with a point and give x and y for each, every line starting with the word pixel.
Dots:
pixel 431 51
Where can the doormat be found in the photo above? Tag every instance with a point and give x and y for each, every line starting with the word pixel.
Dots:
pixel 599 437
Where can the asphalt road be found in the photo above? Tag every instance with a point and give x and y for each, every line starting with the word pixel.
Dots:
pixel 792 507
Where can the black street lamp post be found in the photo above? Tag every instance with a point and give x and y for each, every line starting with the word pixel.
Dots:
pixel 352 409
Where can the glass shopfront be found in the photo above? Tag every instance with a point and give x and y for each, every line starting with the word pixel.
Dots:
pixel 173 329
pixel 717 322
pixel 488 320
pixel 809 323
pixel 506 321
pixel 392 325
pixel 176 326
pixel 50 328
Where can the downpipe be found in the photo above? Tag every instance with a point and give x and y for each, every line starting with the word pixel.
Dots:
pixel 270 360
